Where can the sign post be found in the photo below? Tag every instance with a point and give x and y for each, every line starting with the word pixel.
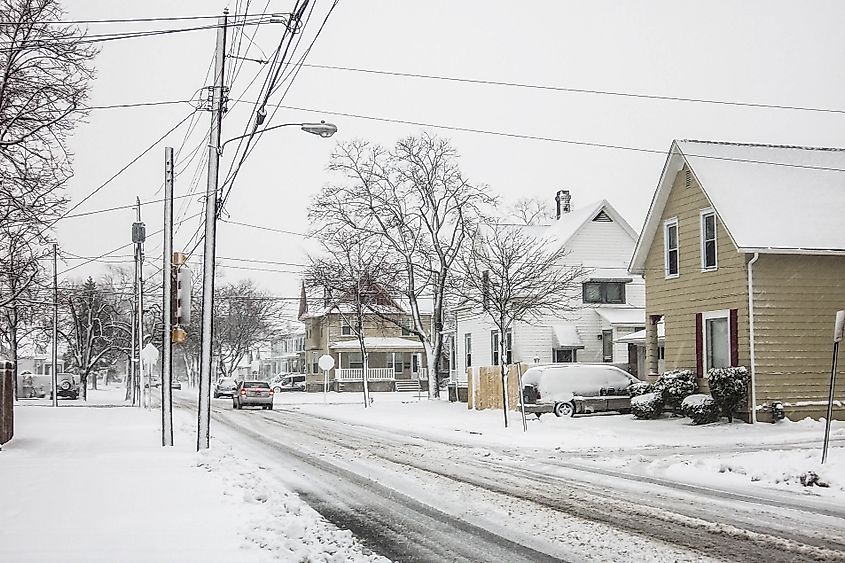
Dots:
pixel 837 338
pixel 326 363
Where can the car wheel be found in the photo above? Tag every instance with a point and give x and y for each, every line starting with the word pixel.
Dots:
pixel 564 409
pixel 216 396
pixel 277 389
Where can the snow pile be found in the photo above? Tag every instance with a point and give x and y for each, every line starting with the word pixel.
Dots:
pixel 275 520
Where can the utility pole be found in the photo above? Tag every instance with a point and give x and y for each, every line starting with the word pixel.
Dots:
pixel 55 356
pixel 138 236
pixel 217 100
pixel 167 305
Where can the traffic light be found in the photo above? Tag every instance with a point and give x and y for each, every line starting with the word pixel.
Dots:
pixel 180 297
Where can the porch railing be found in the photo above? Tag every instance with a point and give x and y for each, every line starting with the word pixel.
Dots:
pixel 357 374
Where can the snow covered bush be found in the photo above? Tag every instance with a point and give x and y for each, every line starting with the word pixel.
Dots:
pixel 729 387
pixel 675 386
pixel 638 389
pixel 702 409
pixel 646 406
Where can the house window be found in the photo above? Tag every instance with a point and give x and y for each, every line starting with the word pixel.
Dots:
pixel 468 349
pixel 607 345
pixel 708 240
pixel 494 347
pixel 717 340
pixel 603 292
pixel 398 360
pixel 356 360
pixel 405 330
pixel 345 328
pixel 670 245
pixel 452 362
pixel 315 366
pixel 564 355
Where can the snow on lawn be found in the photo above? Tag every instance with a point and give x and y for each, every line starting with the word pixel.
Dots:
pixel 453 422
pixel 94 484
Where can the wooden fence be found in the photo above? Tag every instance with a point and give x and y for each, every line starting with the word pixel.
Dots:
pixel 484 387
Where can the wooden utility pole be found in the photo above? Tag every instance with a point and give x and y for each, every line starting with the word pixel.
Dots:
pixel 167 305
pixel 55 355
pixel 138 236
pixel 217 100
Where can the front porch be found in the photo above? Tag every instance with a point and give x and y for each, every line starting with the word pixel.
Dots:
pixel 393 364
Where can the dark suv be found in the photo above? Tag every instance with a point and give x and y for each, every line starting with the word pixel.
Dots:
pixel 67 385
pixel 225 387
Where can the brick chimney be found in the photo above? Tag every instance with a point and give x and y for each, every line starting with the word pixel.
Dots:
pixel 563 199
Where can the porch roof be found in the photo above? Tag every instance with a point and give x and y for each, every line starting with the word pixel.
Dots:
pixel 566 336
pixel 378 344
pixel 624 317
pixel 638 337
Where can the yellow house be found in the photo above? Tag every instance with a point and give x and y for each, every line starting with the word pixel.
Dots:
pixel 743 255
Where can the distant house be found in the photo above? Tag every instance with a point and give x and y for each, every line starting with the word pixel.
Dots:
pixel 396 359
pixel 287 351
pixel 611 301
pixel 743 254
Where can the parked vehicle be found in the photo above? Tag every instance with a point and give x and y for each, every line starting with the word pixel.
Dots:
pixel 253 394
pixel 289 382
pixel 225 387
pixel 175 384
pixel 67 385
pixel 569 389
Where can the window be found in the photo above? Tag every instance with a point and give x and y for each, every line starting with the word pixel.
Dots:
pixel 494 347
pixel 670 245
pixel 452 362
pixel 345 328
pixel 560 355
pixel 509 347
pixel 405 330
pixel 717 340
pixel 468 349
pixel 356 360
pixel 708 239
pixel 607 345
pixel 397 362
pixel 315 366
pixel 603 292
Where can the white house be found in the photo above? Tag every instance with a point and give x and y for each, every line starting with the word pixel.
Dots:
pixel 611 304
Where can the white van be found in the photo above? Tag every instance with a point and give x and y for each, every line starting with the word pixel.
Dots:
pixel 569 389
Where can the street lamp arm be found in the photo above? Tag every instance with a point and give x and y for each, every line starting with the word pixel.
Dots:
pixel 322 129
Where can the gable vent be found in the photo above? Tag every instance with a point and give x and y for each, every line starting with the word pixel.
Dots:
pixel 687 178
pixel 602 217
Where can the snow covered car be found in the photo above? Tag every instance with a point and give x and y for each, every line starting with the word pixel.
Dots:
pixel 570 389
pixel 225 387
pixel 289 382
pixel 253 394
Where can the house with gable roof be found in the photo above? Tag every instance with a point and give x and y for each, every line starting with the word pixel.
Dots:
pixel 743 255
pixel 598 238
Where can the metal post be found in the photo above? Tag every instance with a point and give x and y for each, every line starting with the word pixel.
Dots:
pixel 521 397
pixel 204 410
pixel 133 347
pixel 55 355
pixel 167 305
pixel 325 386
pixel 837 337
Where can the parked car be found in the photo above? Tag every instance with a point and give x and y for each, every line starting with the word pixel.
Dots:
pixel 175 384
pixel 570 389
pixel 289 382
pixel 225 387
pixel 67 385
pixel 253 394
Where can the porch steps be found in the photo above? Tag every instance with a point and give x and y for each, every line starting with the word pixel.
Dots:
pixel 407 385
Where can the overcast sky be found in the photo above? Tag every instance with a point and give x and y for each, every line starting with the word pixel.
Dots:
pixel 785 53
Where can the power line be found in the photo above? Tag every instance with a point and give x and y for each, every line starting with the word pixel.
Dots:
pixel 144 20
pixel 263 228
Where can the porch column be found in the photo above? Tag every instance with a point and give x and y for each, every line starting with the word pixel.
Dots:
pixel 651 345
pixel 393 363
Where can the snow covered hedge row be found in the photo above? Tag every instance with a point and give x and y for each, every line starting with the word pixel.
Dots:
pixel 648 405
pixel 701 408
pixel 729 387
pixel 675 386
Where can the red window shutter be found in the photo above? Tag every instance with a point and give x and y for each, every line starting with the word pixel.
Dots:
pixel 734 339
pixel 699 346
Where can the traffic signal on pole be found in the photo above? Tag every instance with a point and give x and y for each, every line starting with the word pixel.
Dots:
pixel 183 296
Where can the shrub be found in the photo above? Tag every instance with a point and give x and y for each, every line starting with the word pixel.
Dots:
pixel 647 406
pixel 702 409
pixel 638 389
pixel 675 386
pixel 729 387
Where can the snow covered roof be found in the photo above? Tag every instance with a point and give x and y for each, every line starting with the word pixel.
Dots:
pixel 569 224
pixel 377 344
pixel 770 198
pixel 566 336
pixel 620 316
pixel 639 336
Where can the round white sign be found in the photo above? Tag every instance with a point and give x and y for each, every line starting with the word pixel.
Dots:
pixel 325 362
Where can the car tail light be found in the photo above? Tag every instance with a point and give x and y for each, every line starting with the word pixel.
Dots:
pixel 243 391
pixel 271 392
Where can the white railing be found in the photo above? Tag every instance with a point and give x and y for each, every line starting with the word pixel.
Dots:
pixel 357 374
pixel 423 374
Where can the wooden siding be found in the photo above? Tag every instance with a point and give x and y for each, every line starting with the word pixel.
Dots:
pixel 795 304
pixel 693 291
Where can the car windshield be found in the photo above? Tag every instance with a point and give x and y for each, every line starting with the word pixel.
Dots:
pixel 261 384
pixel 226 381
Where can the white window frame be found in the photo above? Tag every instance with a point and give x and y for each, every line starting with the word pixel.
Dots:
pixel 467 350
pixel 702 215
pixel 722 314
pixel 673 222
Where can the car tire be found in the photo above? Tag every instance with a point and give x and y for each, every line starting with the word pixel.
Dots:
pixel 216 396
pixel 564 410
pixel 277 389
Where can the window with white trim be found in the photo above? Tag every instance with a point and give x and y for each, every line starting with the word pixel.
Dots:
pixel 345 328
pixel 708 240
pixel 717 339
pixel 468 349
pixel 671 247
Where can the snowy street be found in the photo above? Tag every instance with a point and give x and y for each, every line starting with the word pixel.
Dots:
pixel 423 495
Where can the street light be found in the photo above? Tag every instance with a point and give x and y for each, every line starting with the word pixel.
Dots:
pixel 323 129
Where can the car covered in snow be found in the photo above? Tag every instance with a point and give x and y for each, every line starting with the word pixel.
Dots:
pixel 569 389
pixel 225 387
pixel 289 382
pixel 253 394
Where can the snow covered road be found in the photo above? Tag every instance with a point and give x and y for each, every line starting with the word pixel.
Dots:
pixel 423 499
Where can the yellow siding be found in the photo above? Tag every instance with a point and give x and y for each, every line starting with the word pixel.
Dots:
pixel 693 291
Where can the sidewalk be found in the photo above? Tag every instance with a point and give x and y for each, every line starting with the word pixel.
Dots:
pixel 94 484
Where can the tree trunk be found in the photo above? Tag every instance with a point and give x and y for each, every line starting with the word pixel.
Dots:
pixel 83 386
pixel 128 381
pixel 13 353
pixel 503 362
pixel 431 361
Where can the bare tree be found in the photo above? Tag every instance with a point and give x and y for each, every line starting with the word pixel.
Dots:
pixel 515 277
pixel 354 272
pixel 416 202
pixel 531 211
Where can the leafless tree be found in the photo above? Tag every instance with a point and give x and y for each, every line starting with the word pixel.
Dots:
pixel 416 202
pixel 515 277
pixel 531 211
pixel 354 272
